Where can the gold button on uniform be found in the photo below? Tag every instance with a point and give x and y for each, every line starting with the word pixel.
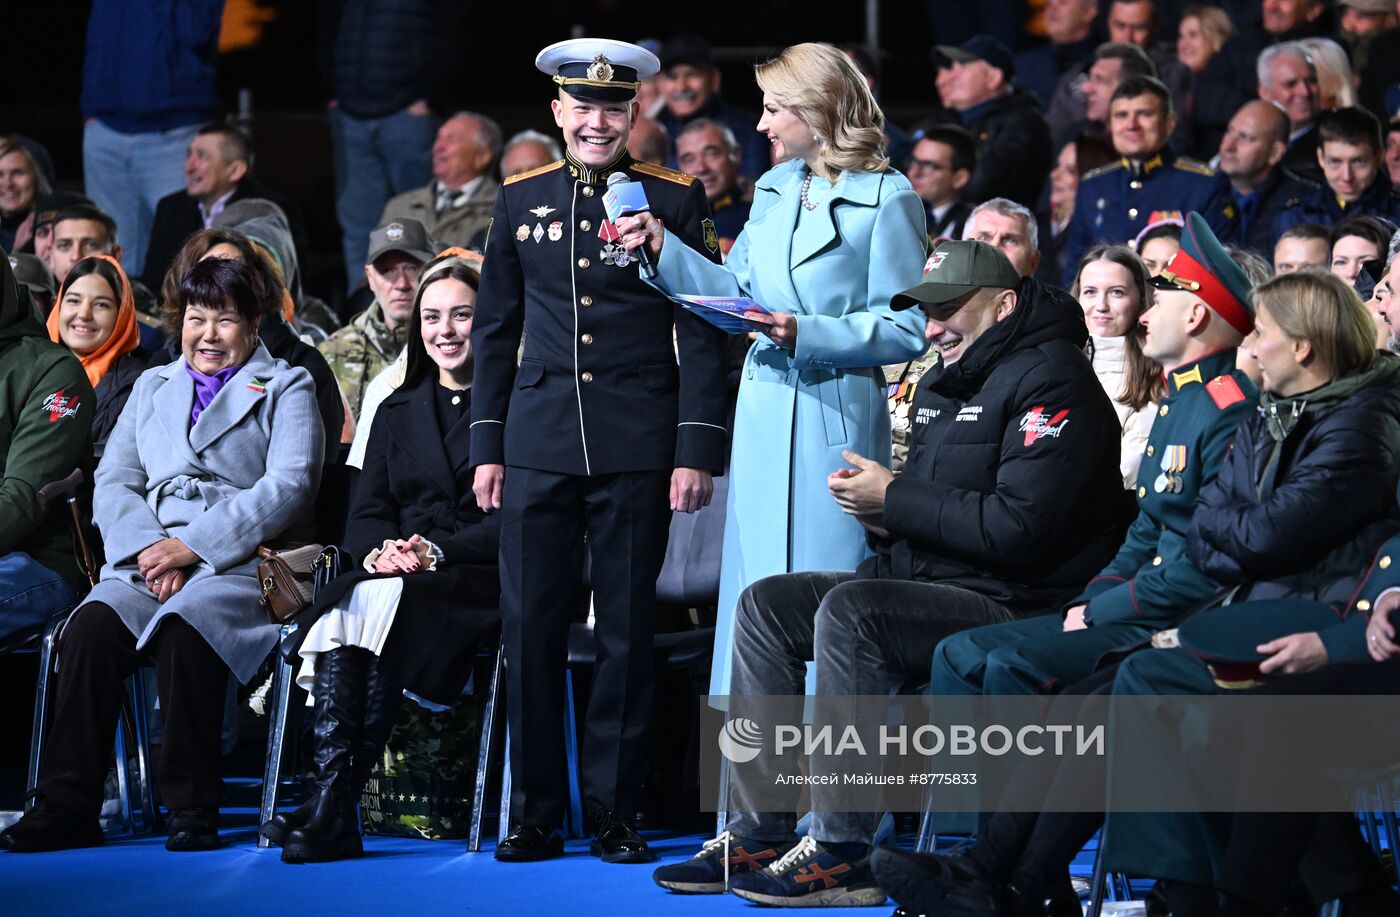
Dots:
pixel 1157 561
pixel 583 262
pixel 585 225
pixel 1363 605
pixel 587 190
pixel 1151 451
pixel 587 377
pixel 585 300
pixel 1385 562
pixel 1132 213
pixel 587 339
pixel 1142 491
pixel 1161 412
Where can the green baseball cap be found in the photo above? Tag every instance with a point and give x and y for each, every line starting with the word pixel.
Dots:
pixel 957 267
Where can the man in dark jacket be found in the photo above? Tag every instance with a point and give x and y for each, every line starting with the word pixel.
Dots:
pixel 1069 24
pixel 218 171
pixel 1013 138
pixel 46 409
pixel 1151 582
pixel 1009 500
pixel 1251 156
pixel 1351 155
pixel 389 66
pixel 691 84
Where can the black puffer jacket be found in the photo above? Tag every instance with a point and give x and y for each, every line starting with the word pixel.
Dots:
pixel 1308 528
pixel 1011 488
pixel 1013 150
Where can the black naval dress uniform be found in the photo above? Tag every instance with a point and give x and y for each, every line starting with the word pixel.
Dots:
pixel 604 405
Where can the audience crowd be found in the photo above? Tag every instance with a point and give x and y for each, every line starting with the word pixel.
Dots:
pixel 1150 369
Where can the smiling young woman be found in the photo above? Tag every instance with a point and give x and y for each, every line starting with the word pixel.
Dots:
pixel 95 317
pixel 424 590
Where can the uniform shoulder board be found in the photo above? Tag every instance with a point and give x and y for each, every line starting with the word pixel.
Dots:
pixel 1186 164
pixel 533 172
pixel 1101 170
pixel 1224 391
pixel 679 178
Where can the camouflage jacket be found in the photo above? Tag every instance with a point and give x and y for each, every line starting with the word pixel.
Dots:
pixel 357 352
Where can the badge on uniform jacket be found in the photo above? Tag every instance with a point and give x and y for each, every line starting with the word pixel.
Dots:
pixel 711 236
pixel 608 232
pixel 556 231
pixel 542 211
pixel 522 233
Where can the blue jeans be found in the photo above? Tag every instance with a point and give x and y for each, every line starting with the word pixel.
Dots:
pixel 30 593
pixel 127 175
pixel 375 159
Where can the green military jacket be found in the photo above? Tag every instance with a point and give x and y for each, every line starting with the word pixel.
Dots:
pixel 357 352
pixel 1151 581
pixel 46 411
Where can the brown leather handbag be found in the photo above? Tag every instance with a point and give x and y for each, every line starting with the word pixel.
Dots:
pixel 287 577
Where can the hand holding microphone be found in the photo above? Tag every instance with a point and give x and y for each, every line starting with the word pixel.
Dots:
pixel 625 198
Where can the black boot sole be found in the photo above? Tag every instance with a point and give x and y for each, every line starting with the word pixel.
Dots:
pixel 347 849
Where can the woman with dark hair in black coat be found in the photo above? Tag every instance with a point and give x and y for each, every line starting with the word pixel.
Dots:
pixel 425 589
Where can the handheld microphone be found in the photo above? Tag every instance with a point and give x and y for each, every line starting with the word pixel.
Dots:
pixel 623 198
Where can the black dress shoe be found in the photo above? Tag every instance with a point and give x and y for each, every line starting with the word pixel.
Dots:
pixel 937 883
pixel 47 828
pixel 529 843
pixel 193 830
pixel 616 841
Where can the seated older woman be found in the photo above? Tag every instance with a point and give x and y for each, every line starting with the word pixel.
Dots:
pixel 96 319
pixel 425 589
pixel 219 452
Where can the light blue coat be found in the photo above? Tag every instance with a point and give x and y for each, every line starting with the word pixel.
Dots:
pixel 836 271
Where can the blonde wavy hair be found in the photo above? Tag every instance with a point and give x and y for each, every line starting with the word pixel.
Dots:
pixel 819 85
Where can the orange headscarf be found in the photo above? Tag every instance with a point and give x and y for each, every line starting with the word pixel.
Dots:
pixel 125 337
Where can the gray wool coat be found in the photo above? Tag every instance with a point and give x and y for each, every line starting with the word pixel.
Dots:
pixel 243 474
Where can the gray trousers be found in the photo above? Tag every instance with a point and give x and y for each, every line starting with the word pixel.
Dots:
pixel 866 636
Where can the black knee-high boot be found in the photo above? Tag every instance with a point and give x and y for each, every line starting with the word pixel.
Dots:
pixel 338 711
pixel 383 697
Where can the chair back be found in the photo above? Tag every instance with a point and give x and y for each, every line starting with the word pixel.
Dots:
pixel 690 574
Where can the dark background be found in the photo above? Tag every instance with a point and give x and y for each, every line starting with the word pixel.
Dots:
pixel 495 67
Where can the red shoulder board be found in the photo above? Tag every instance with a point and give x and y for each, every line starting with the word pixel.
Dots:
pixel 1224 391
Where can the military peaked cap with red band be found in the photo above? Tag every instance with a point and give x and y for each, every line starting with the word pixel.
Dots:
pixel 1203 266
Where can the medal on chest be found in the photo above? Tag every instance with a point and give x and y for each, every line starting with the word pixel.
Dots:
pixel 1173 464
pixel 613 253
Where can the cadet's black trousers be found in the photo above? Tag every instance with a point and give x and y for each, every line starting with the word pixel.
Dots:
pixel 96 654
pixel 544 519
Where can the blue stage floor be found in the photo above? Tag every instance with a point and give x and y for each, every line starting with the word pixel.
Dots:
pixel 396 876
